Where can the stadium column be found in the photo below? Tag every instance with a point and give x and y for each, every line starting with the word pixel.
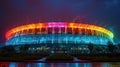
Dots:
pixel 65 29
pixel 52 35
pixel 59 35
pixel 46 32
pixel 66 40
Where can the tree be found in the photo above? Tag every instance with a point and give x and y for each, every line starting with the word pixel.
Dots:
pixel 24 48
pixel 111 47
pixel 3 50
pixel 7 50
pixel 11 49
pixel 90 47
pixel 98 49
pixel 118 47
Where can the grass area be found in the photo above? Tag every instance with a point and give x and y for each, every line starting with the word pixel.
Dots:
pixel 98 57
pixel 59 57
pixel 21 57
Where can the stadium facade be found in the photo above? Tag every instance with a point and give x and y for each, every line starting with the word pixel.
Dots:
pixel 58 36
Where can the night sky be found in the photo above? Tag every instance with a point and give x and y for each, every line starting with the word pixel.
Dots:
pixel 105 13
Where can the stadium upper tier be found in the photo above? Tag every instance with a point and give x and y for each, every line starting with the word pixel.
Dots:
pixel 59 28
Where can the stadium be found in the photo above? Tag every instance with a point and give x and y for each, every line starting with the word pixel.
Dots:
pixel 56 35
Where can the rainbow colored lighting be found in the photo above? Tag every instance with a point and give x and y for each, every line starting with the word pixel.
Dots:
pixel 69 33
pixel 57 28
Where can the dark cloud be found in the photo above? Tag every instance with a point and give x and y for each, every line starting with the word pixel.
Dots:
pixel 18 12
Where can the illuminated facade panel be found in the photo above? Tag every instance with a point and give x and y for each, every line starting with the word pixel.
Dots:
pixel 58 33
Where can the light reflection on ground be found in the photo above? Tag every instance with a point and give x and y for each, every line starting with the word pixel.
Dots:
pixel 32 64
